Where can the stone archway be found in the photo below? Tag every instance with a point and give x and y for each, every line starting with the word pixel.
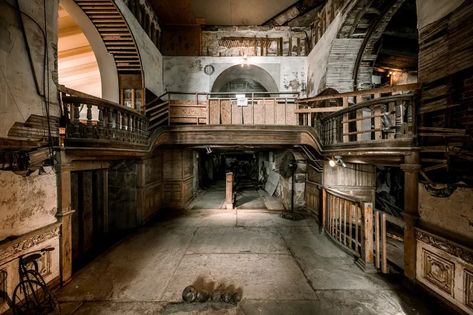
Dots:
pixel 106 63
pixel 256 77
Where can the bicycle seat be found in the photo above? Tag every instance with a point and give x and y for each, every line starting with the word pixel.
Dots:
pixel 30 258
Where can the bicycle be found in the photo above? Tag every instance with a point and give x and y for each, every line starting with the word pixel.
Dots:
pixel 31 295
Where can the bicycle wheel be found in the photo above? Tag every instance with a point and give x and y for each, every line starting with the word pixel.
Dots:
pixel 33 297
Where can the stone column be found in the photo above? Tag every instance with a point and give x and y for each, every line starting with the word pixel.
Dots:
pixel 411 169
pixel 64 215
pixel 229 191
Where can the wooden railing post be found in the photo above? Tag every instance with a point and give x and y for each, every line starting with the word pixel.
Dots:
pixel 367 241
pixel 229 191
pixel 324 210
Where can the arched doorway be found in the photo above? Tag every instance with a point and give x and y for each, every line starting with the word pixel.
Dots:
pixel 244 78
pixel 84 63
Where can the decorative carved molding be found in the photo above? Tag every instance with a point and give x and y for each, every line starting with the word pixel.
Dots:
pixel 438 271
pixel 32 240
pixel 445 245
pixel 468 288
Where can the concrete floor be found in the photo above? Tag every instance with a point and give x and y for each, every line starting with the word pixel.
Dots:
pixel 248 197
pixel 281 267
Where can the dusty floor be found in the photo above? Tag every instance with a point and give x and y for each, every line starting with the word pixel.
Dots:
pixel 281 267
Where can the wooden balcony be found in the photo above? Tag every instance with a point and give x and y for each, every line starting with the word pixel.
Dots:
pixel 94 122
pixel 363 119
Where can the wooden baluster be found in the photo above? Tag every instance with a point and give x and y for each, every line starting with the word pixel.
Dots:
pixel 367 233
pixel 345 223
pixel 345 121
pixel 100 123
pixel 357 226
pixel 377 236
pixel 132 128
pixel 109 123
pixel 350 216
pixel 117 124
pixel 384 267
pixel 359 120
pixel 76 120
pixel 324 209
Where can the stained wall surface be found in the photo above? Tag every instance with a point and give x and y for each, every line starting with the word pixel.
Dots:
pixel 26 202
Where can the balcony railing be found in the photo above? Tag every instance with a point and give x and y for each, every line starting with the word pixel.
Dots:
pixel 361 116
pixel 95 120
pixel 349 221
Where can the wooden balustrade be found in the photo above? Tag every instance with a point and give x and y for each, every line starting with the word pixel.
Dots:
pixel 384 118
pixel 381 219
pixel 385 113
pixel 224 108
pixel 349 221
pixel 103 120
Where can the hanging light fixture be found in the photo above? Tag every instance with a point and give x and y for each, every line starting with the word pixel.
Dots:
pixel 336 160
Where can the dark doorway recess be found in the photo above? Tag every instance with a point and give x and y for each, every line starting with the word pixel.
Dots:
pixel 90 219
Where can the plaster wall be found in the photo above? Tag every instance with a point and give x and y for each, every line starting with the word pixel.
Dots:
pixel 317 60
pixel 186 74
pixel 27 203
pixel 215 42
pixel 151 58
pixel 429 11
pixel 19 97
pixel 453 214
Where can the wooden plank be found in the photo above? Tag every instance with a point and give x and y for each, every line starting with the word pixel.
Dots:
pixel 280 113
pixel 248 115
pixel 226 112
pixel 237 115
pixel 214 112
pixel 269 114
pixel 291 116
pixel 259 110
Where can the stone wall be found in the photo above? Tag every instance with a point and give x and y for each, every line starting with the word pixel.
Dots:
pixel 20 98
pixel 186 74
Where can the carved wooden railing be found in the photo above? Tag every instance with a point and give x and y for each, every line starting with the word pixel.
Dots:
pixel 222 108
pixel 349 221
pixel 361 116
pixel 88 118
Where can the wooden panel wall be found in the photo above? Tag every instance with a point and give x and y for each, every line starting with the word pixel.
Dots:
pixel 356 179
pixel 312 190
pixel 445 111
pixel 178 174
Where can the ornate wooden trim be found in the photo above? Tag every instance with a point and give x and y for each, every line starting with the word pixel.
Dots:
pixel 439 271
pixel 445 245
pixel 30 240
pixel 468 288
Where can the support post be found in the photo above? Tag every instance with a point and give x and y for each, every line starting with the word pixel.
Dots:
pixel 229 191
pixel 411 169
pixel 64 215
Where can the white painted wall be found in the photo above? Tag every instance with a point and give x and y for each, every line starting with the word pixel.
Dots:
pixel 151 58
pixel 186 74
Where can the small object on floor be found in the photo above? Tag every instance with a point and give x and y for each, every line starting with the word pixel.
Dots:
pixel 189 294
pixel 236 297
pixel 290 215
pixel 202 296
pixel 227 296
pixel 216 296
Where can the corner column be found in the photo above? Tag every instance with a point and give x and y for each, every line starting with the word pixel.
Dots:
pixel 64 216
pixel 411 168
